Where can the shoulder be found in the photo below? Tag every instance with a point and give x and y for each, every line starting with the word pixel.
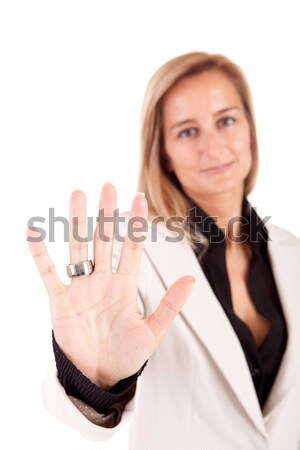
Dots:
pixel 281 235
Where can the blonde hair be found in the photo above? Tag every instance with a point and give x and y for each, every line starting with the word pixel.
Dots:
pixel 162 189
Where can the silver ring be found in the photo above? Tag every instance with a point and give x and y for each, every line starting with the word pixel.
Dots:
pixel 83 268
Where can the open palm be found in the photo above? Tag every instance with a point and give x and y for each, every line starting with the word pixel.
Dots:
pixel 96 319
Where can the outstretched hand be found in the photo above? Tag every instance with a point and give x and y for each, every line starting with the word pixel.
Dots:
pixel 96 320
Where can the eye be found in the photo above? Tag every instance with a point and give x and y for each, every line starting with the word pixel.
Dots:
pixel 188 132
pixel 226 121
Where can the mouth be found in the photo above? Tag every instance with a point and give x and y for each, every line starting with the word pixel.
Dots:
pixel 218 169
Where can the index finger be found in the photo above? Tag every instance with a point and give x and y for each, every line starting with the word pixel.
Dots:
pixel 134 240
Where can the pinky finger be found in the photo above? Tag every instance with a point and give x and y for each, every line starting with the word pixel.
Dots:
pixel 44 263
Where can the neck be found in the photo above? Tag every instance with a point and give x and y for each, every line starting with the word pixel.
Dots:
pixel 224 207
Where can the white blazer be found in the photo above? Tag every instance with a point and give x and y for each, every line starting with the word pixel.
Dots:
pixel 196 391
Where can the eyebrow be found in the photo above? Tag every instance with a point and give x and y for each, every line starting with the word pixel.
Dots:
pixel 183 122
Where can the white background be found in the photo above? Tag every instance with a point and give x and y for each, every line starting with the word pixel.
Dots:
pixel 73 75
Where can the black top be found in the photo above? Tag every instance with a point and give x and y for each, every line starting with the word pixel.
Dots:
pixel 263 362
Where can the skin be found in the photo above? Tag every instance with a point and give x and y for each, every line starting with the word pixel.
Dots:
pixel 207 141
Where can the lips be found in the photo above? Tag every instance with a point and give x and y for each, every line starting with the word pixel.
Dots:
pixel 219 168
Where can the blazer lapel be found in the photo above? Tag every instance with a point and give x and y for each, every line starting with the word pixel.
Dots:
pixel 204 315
pixel 285 260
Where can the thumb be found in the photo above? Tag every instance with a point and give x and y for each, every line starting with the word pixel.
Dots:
pixel 161 319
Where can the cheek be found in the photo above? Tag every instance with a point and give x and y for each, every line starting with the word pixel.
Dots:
pixel 241 144
pixel 243 152
pixel 181 159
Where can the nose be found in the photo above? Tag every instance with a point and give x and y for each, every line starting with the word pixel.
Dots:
pixel 210 144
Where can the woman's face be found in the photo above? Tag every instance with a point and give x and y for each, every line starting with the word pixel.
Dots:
pixel 206 135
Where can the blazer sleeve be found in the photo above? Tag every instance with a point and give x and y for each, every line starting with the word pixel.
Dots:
pixel 75 412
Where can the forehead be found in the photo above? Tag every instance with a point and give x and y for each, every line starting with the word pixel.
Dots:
pixel 207 92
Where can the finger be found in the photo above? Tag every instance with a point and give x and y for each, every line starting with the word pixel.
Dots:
pixel 134 240
pixel 44 264
pixel 104 231
pixel 170 305
pixel 77 240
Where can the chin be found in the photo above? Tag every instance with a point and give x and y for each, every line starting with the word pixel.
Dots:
pixel 223 188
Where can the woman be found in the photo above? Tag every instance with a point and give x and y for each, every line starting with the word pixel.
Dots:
pixel 226 373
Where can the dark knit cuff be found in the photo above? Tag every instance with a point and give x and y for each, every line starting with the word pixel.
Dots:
pixel 78 385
